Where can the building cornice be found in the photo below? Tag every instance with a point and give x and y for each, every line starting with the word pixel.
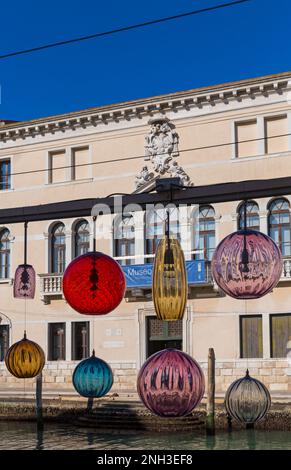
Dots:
pixel 138 109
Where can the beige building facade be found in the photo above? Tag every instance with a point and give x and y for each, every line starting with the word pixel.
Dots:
pixel 231 132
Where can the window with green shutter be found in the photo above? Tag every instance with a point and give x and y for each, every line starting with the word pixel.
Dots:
pixel 280 330
pixel 251 337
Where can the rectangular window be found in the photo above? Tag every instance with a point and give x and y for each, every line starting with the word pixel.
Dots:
pixel 280 335
pixel 276 138
pixel 80 340
pixel 57 166
pixel 5 178
pixel 4 341
pixel 57 341
pixel 251 337
pixel 246 138
pixel 81 167
pixel 163 334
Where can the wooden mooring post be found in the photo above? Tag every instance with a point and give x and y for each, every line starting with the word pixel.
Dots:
pixel 39 417
pixel 210 410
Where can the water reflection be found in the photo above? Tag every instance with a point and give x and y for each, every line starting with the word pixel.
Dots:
pixel 24 436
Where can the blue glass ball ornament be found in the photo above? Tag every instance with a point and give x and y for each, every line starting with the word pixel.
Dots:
pixel 93 377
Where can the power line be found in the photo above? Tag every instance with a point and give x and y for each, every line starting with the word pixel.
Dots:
pixel 121 29
pixel 137 157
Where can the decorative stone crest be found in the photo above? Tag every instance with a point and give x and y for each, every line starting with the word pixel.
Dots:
pixel 161 147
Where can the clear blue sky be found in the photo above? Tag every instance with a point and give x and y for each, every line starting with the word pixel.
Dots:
pixel 242 41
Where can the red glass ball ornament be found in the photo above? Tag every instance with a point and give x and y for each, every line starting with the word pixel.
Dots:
pixel 94 284
pixel 247 264
pixel 170 383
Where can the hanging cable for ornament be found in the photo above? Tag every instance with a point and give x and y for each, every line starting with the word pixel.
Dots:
pixel 94 283
pixel 247 264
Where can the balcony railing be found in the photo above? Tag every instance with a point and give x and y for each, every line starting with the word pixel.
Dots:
pixel 50 286
pixel 286 272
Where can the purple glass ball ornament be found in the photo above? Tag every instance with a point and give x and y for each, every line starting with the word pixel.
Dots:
pixel 24 282
pixel 247 264
pixel 170 383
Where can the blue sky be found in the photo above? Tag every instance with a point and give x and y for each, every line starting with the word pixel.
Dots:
pixel 242 41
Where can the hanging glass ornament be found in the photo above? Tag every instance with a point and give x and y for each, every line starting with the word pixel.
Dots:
pixel 169 285
pixel 247 264
pixel 170 383
pixel 94 284
pixel 25 359
pixel 24 282
pixel 24 278
pixel 247 400
pixel 93 377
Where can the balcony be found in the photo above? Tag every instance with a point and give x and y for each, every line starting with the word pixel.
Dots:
pixel 286 272
pixel 50 287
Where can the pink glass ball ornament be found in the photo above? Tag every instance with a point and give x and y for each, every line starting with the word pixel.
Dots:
pixel 170 383
pixel 94 284
pixel 247 264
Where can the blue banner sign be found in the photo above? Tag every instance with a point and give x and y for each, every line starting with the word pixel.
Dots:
pixel 140 275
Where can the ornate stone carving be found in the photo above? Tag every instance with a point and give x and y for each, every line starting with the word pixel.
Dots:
pixel 161 147
pixel 143 177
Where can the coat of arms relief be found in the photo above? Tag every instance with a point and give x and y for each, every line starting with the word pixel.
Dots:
pixel 161 149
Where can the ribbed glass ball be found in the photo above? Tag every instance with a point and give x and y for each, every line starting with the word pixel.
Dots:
pixel 24 282
pixel 170 383
pixel 94 284
pixel 93 377
pixel 247 400
pixel 25 359
pixel 247 264
pixel 169 280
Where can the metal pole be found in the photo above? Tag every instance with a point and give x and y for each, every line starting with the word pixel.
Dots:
pixel 39 416
pixel 210 411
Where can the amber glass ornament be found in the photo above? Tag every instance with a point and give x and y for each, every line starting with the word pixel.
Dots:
pixel 247 400
pixel 94 284
pixel 247 264
pixel 169 280
pixel 25 359
pixel 170 383
pixel 24 282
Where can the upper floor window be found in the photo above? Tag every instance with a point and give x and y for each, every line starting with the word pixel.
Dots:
pixel 58 166
pixel 4 254
pixel 125 239
pixel 280 225
pixel 58 248
pixel 5 171
pixel 82 238
pixel 156 227
pixel 252 216
pixel 276 134
pixel 80 163
pixel 206 226
pixel 246 138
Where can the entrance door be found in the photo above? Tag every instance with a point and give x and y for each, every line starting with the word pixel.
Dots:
pixel 162 335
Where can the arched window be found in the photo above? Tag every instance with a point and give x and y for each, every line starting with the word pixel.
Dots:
pixel 58 248
pixel 125 239
pixel 279 224
pixel 253 218
pixel 206 224
pixel 82 238
pixel 4 254
pixel 156 226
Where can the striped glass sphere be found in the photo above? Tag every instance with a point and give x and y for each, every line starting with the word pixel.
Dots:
pixel 93 377
pixel 247 400
pixel 170 383
pixel 169 280
pixel 247 264
pixel 25 359
pixel 94 284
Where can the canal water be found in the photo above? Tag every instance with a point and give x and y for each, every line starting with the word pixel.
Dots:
pixel 24 436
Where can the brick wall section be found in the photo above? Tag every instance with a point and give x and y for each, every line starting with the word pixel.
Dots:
pixel 275 374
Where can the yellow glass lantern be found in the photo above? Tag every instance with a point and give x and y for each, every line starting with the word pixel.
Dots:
pixel 25 359
pixel 169 280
